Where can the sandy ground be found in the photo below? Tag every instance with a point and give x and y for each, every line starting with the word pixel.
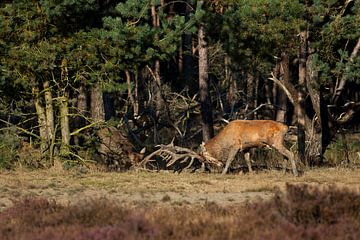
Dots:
pixel 161 188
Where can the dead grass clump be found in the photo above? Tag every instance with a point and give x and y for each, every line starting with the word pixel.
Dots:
pixel 301 212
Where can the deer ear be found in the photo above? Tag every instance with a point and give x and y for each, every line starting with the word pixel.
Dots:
pixel 143 150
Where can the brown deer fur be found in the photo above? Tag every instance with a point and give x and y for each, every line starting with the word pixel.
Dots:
pixel 246 134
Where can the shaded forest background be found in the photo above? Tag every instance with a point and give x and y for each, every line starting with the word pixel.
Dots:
pixel 92 80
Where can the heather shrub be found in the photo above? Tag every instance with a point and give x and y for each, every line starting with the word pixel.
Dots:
pixel 300 212
pixel 35 218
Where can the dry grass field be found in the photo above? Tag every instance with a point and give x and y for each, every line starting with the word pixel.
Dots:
pixel 57 204
pixel 161 188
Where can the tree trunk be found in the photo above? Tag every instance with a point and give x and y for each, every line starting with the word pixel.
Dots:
pixel 281 100
pixel 256 94
pixel 50 122
pixel 97 104
pixel 81 105
pixel 188 57
pixel 64 125
pixel 136 95
pixel 41 115
pixel 205 101
pixel 250 87
pixel 158 97
pixel 130 93
pixel 301 97
pixel 156 69
pixel 232 86
pixel 323 132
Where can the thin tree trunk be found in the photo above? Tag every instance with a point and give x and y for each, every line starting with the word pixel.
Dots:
pixel 41 115
pixel 156 69
pixel 231 84
pixel 188 56
pixel 81 105
pixel 281 96
pixel 301 97
pixel 49 110
pixel 130 93
pixel 205 101
pixel 256 94
pixel 250 90
pixel 97 104
pixel 158 97
pixel 324 131
pixel 50 122
pixel 64 125
pixel 136 95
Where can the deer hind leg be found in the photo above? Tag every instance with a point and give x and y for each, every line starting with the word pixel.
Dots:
pixel 289 155
pixel 230 158
pixel 248 161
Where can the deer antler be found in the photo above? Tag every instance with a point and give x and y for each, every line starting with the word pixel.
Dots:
pixel 172 154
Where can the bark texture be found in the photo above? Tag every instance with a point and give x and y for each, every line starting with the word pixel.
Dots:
pixel 205 101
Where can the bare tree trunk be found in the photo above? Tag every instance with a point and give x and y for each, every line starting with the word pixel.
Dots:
pixel 64 125
pixel 322 133
pixel 41 115
pixel 231 84
pixel 301 97
pixel 158 97
pixel 256 94
pixel 50 122
pixel 136 95
pixel 188 56
pixel 64 112
pixel 250 89
pixel 281 96
pixel 205 101
pixel 130 93
pixel 81 105
pixel 156 69
pixel 97 104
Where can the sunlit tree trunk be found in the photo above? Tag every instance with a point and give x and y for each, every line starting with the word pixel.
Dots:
pixel 97 104
pixel 50 122
pixel 64 125
pixel 81 105
pixel 281 100
pixel 41 116
pixel 64 111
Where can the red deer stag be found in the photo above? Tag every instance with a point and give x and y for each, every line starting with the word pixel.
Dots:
pixel 246 134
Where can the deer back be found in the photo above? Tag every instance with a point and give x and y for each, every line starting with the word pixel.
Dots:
pixel 244 134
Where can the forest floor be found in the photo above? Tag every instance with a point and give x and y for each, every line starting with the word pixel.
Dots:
pixel 161 188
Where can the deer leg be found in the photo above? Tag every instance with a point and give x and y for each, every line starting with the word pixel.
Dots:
pixel 289 155
pixel 248 161
pixel 229 160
